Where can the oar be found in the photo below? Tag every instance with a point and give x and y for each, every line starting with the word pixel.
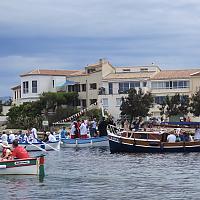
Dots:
pixel 37 146
pixel 48 145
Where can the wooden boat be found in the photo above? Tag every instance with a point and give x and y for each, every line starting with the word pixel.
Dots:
pixel 88 142
pixel 147 142
pixel 29 166
pixel 38 146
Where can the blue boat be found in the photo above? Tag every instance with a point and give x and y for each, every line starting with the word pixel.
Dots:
pixel 88 142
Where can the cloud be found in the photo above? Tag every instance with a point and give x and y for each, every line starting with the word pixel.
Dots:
pixel 71 34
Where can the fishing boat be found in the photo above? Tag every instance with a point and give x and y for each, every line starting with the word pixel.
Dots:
pixel 40 145
pixel 88 142
pixel 147 142
pixel 28 166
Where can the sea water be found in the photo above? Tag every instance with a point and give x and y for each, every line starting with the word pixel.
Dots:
pixel 94 173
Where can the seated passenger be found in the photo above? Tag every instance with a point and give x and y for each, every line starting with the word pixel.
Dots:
pixel 45 137
pixel 4 136
pixel 171 138
pixel 6 152
pixel 197 133
pixel 11 137
pixel 19 152
pixel 51 137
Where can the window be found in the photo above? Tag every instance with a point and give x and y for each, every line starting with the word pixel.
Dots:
pixel 83 103
pixel 93 86
pixel 77 88
pixel 126 70
pixel 34 86
pixel 110 85
pixel 105 101
pixel 53 83
pixel 134 84
pixel 125 86
pixel 170 84
pixel 70 88
pixel 144 69
pixel 83 87
pixel 25 87
pixel 118 101
pixel 92 101
pixel 175 84
pixel 15 94
pixel 144 84
pixel 159 99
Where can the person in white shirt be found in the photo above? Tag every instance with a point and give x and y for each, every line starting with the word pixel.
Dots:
pixel 33 135
pixel 171 138
pixel 83 130
pixel 4 137
pixel 51 137
pixel 197 134
pixel 11 137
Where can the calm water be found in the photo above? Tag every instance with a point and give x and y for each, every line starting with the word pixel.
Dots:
pixel 94 173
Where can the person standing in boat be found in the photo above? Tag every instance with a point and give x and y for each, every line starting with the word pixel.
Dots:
pixel 34 135
pixel 63 133
pixel 74 130
pixel 102 128
pixel 83 130
pixel 93 128
pixel 19 152
pixel 126 125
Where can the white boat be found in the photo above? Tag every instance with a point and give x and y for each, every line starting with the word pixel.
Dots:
pixel 28 166
pixel 88 142
pixel 37 146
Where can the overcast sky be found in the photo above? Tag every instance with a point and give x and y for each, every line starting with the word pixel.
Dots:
pixel 66 34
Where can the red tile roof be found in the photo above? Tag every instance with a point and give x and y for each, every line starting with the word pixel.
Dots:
pixel 174 74
pixel 50 72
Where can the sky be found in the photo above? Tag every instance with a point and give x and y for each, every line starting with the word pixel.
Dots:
pixel 66 34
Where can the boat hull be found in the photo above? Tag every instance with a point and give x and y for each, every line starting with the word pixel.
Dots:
pixel 20 167
pixel 89 142
pixel 122 144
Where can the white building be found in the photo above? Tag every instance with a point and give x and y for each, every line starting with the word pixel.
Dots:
pixel 118 83
pixel 105 84
pixel 34 83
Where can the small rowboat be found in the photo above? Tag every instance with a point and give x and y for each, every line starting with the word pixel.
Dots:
pixel 88 142
pixel 37 146
pixel 48 146
pixel 147 142
pixel 28 166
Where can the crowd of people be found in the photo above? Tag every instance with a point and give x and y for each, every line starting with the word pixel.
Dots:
pixel 86 128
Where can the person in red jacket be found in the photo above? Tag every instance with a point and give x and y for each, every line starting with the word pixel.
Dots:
pixel 19 152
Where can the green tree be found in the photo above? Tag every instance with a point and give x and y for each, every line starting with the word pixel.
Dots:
pixel 137 104
pixel 175 105
pixel 195 104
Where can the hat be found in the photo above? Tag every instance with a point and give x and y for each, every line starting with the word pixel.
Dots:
pixel 5 144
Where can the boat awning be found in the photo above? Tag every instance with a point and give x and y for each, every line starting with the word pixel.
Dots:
pixel 182 123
